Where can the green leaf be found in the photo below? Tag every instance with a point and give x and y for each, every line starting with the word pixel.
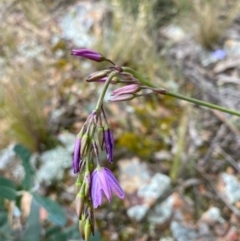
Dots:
pixel 8 193
pixel 7 189
pixel 96 237
pixel 6 233
pixel 25 155
pixel 55 211
pixel 6 182
pixel 33 226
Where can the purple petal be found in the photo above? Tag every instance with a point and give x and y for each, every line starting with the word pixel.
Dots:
pixel 76 156
pixel 109 144
pixel 88 53
pixel 103 181
pixel 128 89
pixel 105 187
pixel 117 98
pixel 96 192
pixel 114 184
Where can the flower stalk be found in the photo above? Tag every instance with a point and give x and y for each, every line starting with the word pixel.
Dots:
pixel 94 180
pixel 178 96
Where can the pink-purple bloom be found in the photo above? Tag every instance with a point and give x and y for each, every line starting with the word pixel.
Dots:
pixel 103 181
pixel 109 144
pixel 117 98
pixel 77 156
pixel 128 89
pixel 88 54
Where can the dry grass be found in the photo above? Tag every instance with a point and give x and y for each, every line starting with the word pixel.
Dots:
pixel 208 19
pixel 130 43
pixel 24 101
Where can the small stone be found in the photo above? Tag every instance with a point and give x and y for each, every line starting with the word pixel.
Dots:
pixel 212 215
pixel 137 212
pixel 231 188
pixel 54 162
pixel 161 213
pixel 183 233
pixel 157 187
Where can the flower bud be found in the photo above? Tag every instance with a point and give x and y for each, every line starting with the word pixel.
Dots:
pixel 79 203
pixel 128 89
pixel 117 98
pixel 98 76
pixel 87 181
pixel 100 136
pixel 76 156
pixel 81 226
pixel 88 54
pixel 87 230
pixel 109 143
pixel 84 144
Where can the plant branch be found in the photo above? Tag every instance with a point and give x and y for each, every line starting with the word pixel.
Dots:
pixel 178 96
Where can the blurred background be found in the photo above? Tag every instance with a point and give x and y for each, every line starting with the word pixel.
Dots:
pixel 179 164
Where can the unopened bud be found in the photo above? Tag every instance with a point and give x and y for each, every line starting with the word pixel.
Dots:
pixel 81 226
pixel 79 203
pixel 100 136
pixel 88 54
pixel 87 184
pixel 84 144
pixel 98 76
pixel 117 98
pixel 87 230
pixel 128 89
pixel 92 218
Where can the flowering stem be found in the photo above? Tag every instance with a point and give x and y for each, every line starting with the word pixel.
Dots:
pixel 182 97
pixel 100 100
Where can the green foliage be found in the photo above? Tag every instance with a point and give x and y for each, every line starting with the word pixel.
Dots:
pixel 57 229
pixel 33 226
pixel 55 212
pixel 23 109
pixel 25 155
pixel 7 189
pixel 207 19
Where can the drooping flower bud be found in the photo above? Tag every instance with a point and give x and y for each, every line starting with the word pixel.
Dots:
pixel 84 144
pixel 79 204
pixel 128 89
pixel 81 225
pixel 77 156
pixel 87 181
pixel 114 80
pixel 98 75
pixel 100 136
pixel 88 54
pixel 87 230
pixel 109 143
pixel 125 97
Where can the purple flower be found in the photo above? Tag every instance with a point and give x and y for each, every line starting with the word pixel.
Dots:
pixel 76 156
pixel 219 54
pixel 128 89
pixel 124 97
pixel 103 181
pixel 88 54
pixel 109 144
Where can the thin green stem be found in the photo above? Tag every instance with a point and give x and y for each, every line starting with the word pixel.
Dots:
pixel 101 97
pixel 182 97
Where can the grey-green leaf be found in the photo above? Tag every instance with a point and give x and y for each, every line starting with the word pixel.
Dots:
pixel 8 193
pixel 33 226
pixel 55 211
pixel 6 182
pixel 25 155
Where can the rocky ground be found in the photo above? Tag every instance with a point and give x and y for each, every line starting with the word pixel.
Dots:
pixel 180 171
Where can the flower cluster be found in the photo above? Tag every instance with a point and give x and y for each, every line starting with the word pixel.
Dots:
pixel 94 180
